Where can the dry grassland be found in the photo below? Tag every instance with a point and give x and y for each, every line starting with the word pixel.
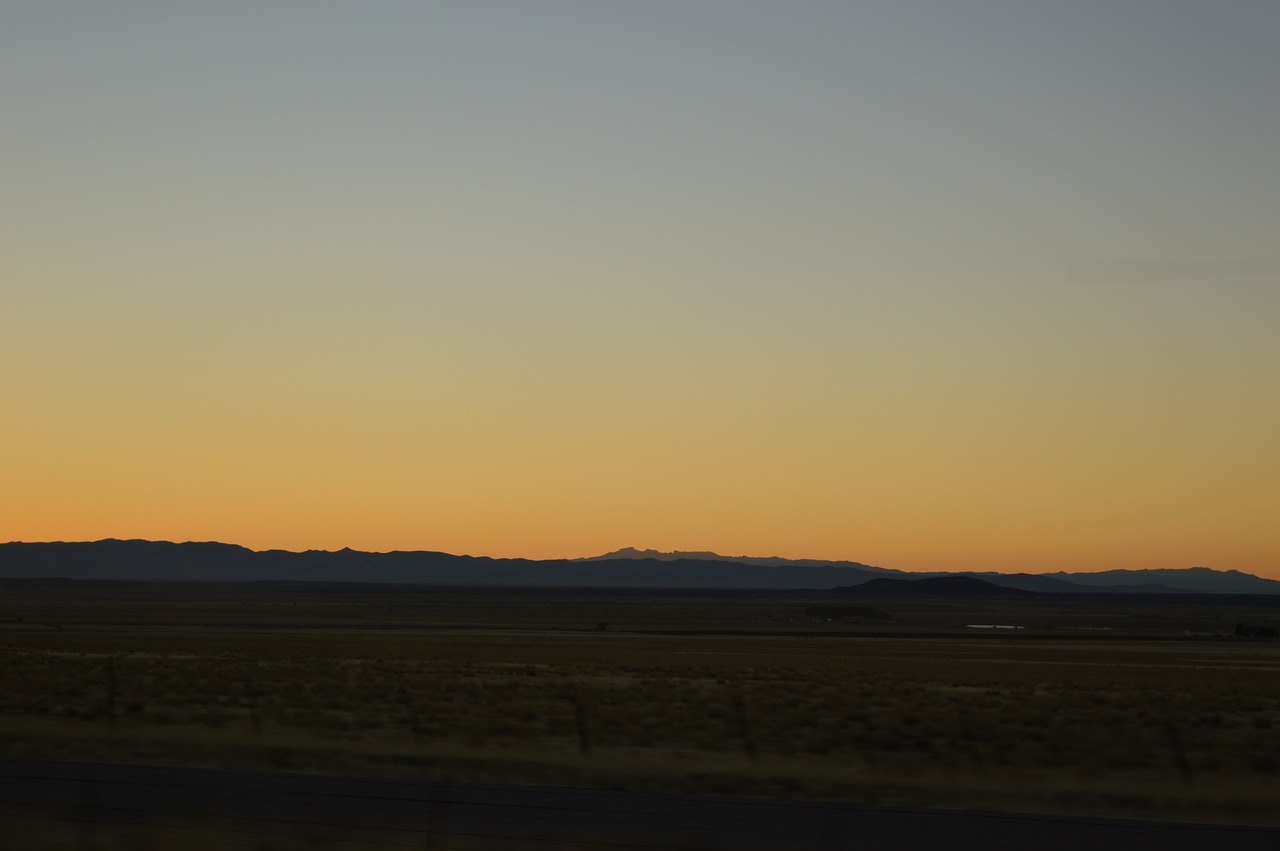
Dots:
pixel 724 693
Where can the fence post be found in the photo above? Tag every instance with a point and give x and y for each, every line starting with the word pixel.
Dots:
pixel 744 727
pixel 580 716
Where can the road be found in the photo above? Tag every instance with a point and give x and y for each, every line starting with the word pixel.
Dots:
pixel 86 806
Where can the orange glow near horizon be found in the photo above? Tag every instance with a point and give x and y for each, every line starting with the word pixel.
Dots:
pixel 905 475
pixel 490 512
pixel 937 470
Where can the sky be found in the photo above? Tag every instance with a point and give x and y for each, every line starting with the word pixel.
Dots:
pixel 927 285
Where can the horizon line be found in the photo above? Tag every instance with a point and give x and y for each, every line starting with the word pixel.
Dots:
pixel 685 554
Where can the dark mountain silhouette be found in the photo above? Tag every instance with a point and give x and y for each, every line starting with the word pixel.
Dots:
pixel 704 555
pixel 1166 581
pixel 216 562
pixel 1200 579
pixel 212 562
pixel 1045 584
pixel 963 587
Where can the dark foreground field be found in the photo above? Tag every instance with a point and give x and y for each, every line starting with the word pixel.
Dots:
pixel 1098 707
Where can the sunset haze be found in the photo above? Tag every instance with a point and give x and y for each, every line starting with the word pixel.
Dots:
pixel 929 286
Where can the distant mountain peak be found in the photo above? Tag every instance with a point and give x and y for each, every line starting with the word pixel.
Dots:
pixel 658 555
pixel 758 561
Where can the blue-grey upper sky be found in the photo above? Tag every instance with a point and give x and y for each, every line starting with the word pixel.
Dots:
pixel 1089 131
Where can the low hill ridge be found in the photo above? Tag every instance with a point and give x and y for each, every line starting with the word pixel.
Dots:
pixel 966 587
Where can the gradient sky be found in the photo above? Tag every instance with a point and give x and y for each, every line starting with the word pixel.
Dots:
pixel 929 285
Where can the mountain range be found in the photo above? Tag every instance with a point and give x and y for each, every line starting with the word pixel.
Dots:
pixel 1202 580
pixel 136 560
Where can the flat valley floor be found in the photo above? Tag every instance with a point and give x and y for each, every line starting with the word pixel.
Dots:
pixel 1096 707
